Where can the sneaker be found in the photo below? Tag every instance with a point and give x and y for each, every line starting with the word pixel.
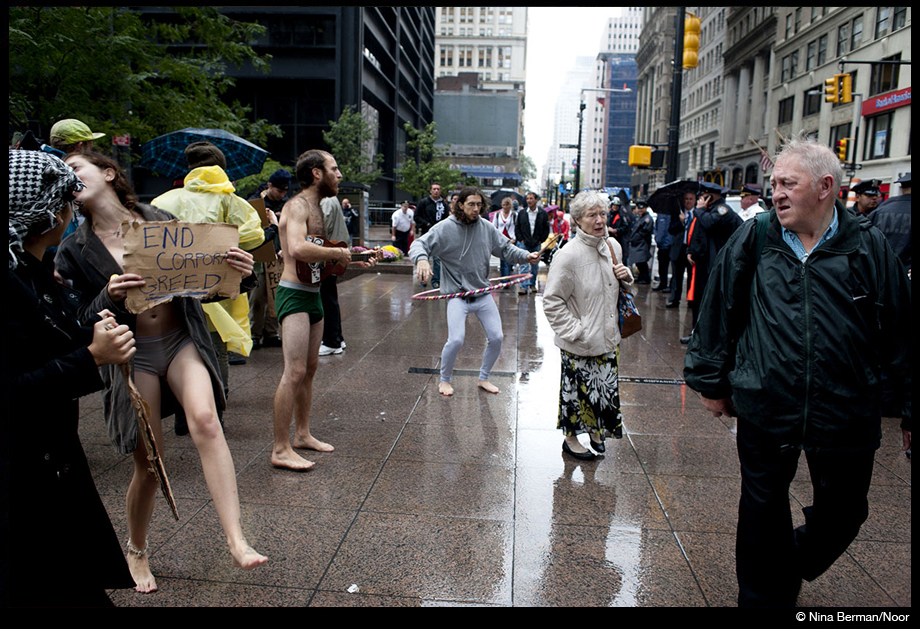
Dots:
pixel 326 351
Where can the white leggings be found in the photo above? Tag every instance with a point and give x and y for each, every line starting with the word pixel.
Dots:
pixel 487 312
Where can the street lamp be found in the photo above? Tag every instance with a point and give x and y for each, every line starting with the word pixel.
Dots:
pixel 581 109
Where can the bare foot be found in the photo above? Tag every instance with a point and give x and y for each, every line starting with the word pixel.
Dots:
pixel 445 389
pixel 140 572
pixel 311 443
pixel 245 557
pixel 485 385
pixel 291 460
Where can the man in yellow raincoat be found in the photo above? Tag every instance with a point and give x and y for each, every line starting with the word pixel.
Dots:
pixel 208 197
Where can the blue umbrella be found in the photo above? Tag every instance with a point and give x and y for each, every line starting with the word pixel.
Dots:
pixel 165 154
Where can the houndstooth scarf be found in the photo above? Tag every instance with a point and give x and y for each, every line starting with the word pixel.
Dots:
pixel 40 186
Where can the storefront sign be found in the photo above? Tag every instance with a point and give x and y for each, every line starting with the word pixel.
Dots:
pixel 884 102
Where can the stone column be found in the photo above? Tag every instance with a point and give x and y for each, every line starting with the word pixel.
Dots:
pixel 755 128
pixel 742 125
pixel 729 109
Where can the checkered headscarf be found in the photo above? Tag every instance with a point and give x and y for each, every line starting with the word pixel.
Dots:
pixel 40 186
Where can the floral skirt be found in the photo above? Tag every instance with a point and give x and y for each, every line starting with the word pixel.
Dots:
pixel 589 397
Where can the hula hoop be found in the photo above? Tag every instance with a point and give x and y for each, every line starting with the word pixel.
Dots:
pixel 431 295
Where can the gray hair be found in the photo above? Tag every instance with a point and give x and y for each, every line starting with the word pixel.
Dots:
pixel 814 158
pixel 586 200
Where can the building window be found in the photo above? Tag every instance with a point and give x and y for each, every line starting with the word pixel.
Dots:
pixel 487 14
pixel 785 73
pixel 485 57
pixel 788 26
pixel 878 134
pixel 899 18
pixel 843 39
pixel 447 14
pixel 504 57
pixel 798 20
pixel 884 77
pixel 447 57
pixel 786 110
pixel 881 21
pixel 822 50
pixel 838 133
pixel 857 29
pixel 506 15
pixel 811 56
pixel 813 98
pixel 465 56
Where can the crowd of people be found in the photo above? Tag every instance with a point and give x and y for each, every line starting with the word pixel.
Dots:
pixel 797 321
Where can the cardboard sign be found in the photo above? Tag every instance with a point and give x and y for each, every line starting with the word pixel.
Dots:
pixel 266 251
pixel 273 271
pixel 179 259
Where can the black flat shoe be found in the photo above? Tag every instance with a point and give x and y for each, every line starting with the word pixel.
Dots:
pixel 598 447
pixel 685 340
pixel 672 304
pixel 583 456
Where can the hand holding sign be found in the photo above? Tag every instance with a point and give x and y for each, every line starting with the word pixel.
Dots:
pixel 178 259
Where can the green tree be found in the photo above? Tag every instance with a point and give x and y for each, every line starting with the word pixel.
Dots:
pixel 528 168
pixel 425 163
pixel 122 71
pixel 348 138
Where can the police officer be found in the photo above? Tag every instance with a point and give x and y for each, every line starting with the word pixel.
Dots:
pixel 893 219
pixel 867 196
pixel 750 201
pixel 716 221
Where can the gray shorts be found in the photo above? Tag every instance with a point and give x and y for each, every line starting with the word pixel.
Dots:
pixel 155 353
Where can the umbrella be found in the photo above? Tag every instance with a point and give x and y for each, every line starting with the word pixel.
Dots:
pixel 496 198
pixel 166 154
pixel 668 198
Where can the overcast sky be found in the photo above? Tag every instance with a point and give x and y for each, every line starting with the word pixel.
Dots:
pixel 555 37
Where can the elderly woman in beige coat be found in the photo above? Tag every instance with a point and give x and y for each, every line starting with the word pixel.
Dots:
pixel 580 302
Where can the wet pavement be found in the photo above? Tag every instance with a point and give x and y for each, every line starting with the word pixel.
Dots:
pixel 469 500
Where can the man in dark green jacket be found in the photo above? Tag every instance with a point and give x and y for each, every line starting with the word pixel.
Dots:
pixel 792 336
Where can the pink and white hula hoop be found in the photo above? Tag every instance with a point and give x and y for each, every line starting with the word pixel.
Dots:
pixel 500 282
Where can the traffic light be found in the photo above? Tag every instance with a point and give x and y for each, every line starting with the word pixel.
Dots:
pixel 842 150
pixel 640 156
pixel 691 41
pixel 831 90
pixel 846 88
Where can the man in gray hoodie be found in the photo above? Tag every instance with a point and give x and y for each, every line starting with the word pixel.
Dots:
pixel 465 243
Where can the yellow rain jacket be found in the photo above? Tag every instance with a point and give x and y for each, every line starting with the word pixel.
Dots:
pixel 208 197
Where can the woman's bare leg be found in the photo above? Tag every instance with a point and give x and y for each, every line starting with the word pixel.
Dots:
pixel 143 489
pixel 191 383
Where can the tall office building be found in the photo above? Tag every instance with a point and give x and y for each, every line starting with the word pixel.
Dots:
pixel 560 162
pixel 491 41
pixel 610 118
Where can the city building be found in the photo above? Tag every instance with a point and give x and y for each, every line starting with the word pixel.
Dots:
pixel 655 59
pixel 750 33
pixel 491 41
pixel 379 60
pixel 610 117
pixel 701 105
pixel 481 130
pixel 811 43
pixel 560 161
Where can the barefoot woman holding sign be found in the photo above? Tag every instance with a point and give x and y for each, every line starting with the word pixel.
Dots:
pixel 174 362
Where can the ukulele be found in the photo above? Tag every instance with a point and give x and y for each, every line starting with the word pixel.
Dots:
pixel 313 273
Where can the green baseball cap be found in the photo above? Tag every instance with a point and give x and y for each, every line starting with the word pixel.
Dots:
pixel 72 131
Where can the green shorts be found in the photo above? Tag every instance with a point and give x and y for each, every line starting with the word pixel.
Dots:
pixel 291 300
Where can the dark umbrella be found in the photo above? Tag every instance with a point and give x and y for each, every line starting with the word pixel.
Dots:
pixel 496 198
pixel 668 198
pixel 165 155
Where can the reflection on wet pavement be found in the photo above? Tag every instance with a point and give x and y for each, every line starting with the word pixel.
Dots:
pixel 429 501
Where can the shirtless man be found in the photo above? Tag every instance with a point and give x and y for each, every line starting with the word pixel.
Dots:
pixel 300 309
